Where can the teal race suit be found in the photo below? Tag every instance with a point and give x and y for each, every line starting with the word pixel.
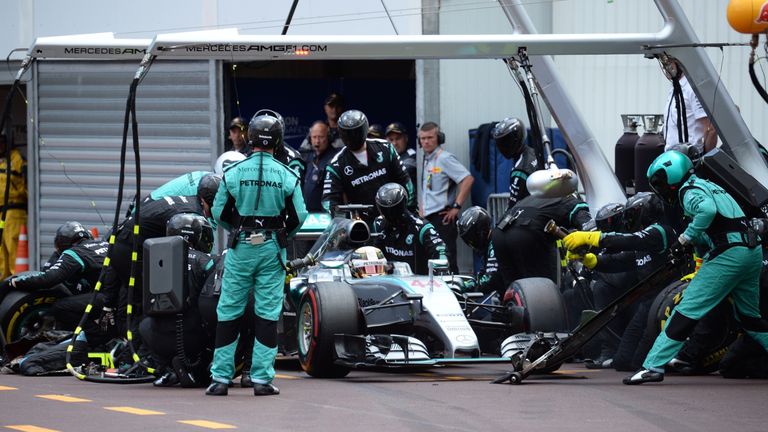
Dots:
pixel 260 201
pixel 183 185
pixel 732 265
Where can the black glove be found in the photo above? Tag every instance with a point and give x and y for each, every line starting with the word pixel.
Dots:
pixel 680 250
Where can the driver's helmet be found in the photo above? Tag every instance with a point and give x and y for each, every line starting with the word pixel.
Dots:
pixel 367 261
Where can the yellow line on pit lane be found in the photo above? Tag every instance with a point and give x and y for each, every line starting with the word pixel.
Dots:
pixel 136 411
pixel 62 398
pixel 290 377
pixel 30 428
pixel 207 424
pixel 7 388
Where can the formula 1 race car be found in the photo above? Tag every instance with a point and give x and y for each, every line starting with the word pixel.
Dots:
pixel 336 322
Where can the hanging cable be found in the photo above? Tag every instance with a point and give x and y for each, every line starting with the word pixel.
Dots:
pixel 290 17
pixel 394 27
pixel 752 75
pixel 130 119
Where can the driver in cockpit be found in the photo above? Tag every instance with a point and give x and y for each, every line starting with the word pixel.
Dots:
pixel 367 261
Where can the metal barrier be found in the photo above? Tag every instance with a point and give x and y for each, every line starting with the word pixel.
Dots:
pixel 497 205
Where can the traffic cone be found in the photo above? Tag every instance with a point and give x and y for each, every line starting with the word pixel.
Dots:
pixel 22 252
pixel 95 233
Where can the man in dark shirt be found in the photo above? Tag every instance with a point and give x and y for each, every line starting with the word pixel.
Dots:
pixel 316 162
pixel 398 137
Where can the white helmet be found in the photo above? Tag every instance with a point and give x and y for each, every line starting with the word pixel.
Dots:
pixel 367 261
pixel 226 159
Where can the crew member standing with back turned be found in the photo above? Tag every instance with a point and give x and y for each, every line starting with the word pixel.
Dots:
pixel 260 200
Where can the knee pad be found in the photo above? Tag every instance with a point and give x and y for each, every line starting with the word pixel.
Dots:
pixel 266 332
pixel 754 324
pixel 227 332
pixel 679 327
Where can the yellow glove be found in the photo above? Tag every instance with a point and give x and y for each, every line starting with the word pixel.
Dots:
pixel 688 277
pixel 577 239
pixel 589 260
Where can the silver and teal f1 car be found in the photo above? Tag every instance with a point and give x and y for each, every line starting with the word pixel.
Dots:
pixel 336 322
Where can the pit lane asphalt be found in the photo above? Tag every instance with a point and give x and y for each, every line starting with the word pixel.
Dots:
pixel 444 399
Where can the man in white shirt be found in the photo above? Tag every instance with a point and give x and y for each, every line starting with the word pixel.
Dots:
pixel 701 132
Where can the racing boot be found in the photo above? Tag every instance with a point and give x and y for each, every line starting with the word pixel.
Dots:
pixel 680 366
pixel 599 363
pixel 245 379
pixel 644 376
pixel 169 379
pixel 265 389
pixel 217 389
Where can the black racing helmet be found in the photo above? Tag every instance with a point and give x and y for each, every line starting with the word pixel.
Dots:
pixel 510 137
pixel 391 200
pixel 208 187
pixel 642 210
pixel 610 218
pixel 266 130
pixel 474 226
pixel 353 128
pixel 70 234
pixel 195 229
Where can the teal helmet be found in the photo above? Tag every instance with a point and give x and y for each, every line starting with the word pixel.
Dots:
pixel 668 172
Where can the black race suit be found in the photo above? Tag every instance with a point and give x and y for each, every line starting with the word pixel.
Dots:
pixel 154 217
pixel 414 242
pixel 347 181
pixel 78 269
pixel 522 247
pixel 525 165
pixel 159 332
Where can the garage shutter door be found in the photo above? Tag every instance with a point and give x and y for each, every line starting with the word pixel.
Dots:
pixel 81 108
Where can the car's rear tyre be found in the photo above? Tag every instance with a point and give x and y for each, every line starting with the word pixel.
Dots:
pixel 543 303
pixel 325 309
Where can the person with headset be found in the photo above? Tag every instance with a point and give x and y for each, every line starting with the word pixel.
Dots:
pixel 160 332
pixel 364 165
pixel 445 185
pixel 316 161
pixel 397 135
pixel 404 237
pixel 509 135
pixel 260 201
pixel 333 108
pixel 238 131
